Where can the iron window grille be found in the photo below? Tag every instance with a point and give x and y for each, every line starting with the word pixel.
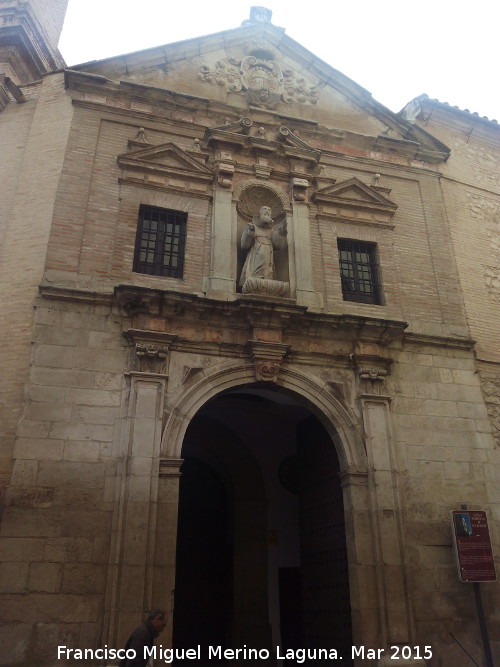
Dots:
pixel 359 273
pixel 160 242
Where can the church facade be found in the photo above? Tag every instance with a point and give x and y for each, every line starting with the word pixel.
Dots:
pixel 250 349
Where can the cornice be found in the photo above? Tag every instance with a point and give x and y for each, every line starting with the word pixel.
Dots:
pixel 459 343
pixel 241 313
pixel 186 192
pixel 406 148
pixel 75 295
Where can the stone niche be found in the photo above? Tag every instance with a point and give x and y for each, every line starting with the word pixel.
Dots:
pixel 248 206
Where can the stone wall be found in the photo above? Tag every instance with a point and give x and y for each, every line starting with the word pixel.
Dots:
pixel 471 188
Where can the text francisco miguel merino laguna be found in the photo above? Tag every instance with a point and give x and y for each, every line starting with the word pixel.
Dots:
pixel 168 655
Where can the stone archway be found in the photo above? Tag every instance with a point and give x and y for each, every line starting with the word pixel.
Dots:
pixel 342 425
pixel 287 563
pixel 343 432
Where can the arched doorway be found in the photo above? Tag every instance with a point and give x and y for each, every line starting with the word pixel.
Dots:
pixel 261 553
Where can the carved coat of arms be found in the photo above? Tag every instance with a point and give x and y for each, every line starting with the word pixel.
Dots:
pixel 262 80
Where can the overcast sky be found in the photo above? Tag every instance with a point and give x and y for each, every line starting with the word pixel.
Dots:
pixel 395 49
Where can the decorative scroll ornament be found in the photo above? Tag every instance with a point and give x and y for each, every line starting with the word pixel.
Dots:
pixel 372 379
pixel 267 358
pixel 267 370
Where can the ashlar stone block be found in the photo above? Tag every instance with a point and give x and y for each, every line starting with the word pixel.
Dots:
pixel 39 449
pixel 68 550
pixel 14 577
pixel 82 578
pixel 15 640
pixel 49 412
pixel 44 577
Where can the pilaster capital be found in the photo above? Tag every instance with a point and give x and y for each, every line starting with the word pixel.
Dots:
pixel 224 173
pixel 372 371
pixel 299 189
pixel 149 350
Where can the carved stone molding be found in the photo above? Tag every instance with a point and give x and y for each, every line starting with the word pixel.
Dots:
pixel 357 202
pixel 262 79
pixel 277 288
pixel 372 371
pixel 295 148
pixel 351 477
pixel 224 175
pixel 267 370
pixel 170 467
pixel 262 143
pixel 135 302
pixel 260 76
pixel 149 350
pixel 253 195
pixel 299 189
pixel 372 374
pixel 162 166
pixel 267 358
pixel 263 312
pixel 151 358
pixel 490 386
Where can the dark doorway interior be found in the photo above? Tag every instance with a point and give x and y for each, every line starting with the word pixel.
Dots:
pixel 203 573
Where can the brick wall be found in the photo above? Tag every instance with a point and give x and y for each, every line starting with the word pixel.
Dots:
pixel 37 148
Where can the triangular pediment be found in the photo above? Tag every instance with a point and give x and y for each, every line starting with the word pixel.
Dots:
pixel 353 193
pixel 164 157
pixel 255 70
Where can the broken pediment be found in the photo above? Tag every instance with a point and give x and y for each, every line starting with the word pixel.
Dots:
pixel 295 147
pixel 243 134
pixel 232 135
pixel 354 201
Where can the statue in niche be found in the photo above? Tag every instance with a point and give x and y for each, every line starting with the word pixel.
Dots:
pixel 261 239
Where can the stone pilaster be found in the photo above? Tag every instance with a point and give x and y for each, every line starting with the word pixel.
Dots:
pixel 360 541
pixel 221 281
pixel 384 501
pixel 166 541
pixel 131 581
pixel 301 240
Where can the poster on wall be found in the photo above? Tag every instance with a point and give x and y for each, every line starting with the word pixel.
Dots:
pixel 472 545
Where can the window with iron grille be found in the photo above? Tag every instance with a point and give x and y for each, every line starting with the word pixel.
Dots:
pixel 359 272
pixel 160 242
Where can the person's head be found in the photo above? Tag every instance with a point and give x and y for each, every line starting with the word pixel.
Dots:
pixel 158 619
pixel 265 214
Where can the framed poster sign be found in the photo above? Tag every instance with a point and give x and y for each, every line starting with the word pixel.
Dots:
pixel 472 543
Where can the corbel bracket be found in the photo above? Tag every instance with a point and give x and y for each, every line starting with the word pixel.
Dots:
pixel 267 358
